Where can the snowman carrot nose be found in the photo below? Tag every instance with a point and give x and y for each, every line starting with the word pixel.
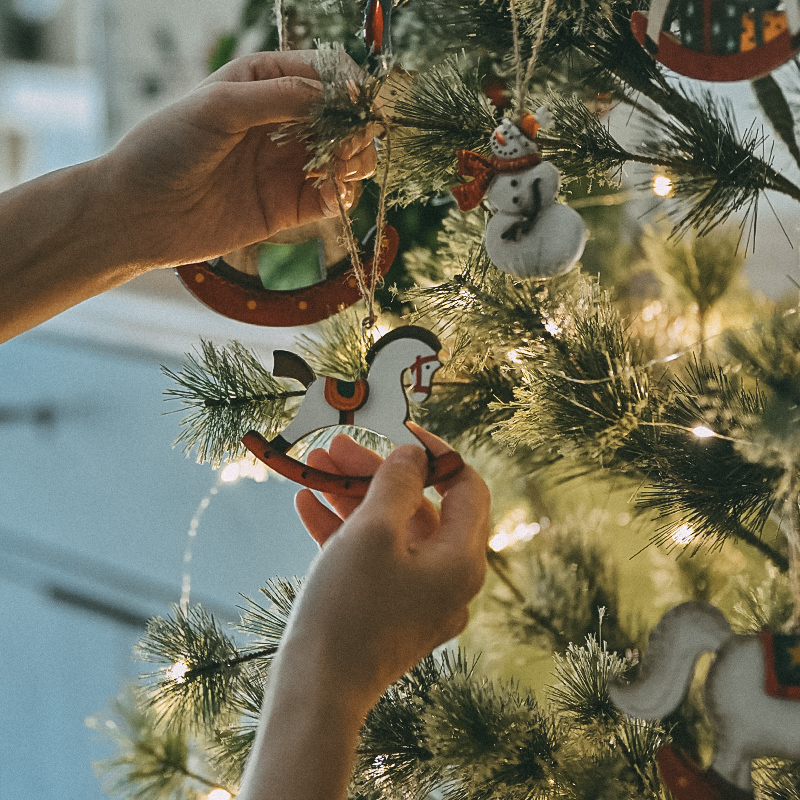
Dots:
pixel 501 140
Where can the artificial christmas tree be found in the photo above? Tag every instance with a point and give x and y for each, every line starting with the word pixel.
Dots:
pixel 683 437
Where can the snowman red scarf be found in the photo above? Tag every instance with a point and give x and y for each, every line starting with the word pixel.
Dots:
pixel 483 170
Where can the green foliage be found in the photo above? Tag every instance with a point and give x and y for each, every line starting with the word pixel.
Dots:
pixel 151 762
pixel 227 392
pixel 704 267
pixel 200 669
pixel 442 111
pixel 565 577
pixel 339 348
pixel 345 109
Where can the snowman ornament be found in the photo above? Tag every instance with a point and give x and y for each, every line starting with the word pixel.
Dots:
pixel 531 234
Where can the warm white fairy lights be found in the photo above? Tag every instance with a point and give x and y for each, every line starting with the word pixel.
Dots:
pixel 662 185
pixel 514 528
pixel 683 535
pixel 219 794
pixel 703 432
pixel 177 672
pixel 244 468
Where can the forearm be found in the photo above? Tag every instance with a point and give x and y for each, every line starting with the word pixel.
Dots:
pixel 307 736
pixel 63 241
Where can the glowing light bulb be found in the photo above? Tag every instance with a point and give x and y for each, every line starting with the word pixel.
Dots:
pixel 230 473
pixel 513 356
pixel 702 432
pixel 178 671
pixel 513 528
pixel 219 794
pixel 662 185
pixel 684 534
pixel 499 542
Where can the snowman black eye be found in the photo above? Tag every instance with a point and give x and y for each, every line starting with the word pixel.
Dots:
pixel 515 199
pixel 515 182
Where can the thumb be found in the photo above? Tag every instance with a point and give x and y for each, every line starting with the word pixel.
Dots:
pixel 396 490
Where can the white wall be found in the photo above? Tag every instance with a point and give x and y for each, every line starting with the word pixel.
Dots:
pixel 97 505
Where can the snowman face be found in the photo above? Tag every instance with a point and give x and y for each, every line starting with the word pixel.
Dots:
pixel 508 141
pixel 513 193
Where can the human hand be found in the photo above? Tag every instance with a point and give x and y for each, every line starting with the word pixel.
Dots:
pixel 204 177
pixel 395 575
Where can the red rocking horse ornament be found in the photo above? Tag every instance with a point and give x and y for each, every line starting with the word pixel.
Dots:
pixel 720 40
pixel 379 404
pixel 242 297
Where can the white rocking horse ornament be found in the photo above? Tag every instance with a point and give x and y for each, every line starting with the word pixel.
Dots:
pixel 379 404
pixel 751 696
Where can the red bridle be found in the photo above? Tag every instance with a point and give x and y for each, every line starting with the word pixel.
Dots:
pixel 416 369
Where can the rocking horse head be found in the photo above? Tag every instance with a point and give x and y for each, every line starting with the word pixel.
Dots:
pixel 379 404
pixel 410 348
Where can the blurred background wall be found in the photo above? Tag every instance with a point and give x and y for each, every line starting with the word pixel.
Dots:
pixel 95 506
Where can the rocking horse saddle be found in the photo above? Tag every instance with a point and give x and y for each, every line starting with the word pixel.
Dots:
pixel 346 397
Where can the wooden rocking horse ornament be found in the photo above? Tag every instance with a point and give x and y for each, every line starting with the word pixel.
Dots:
pixel 720 40
pixel 379 404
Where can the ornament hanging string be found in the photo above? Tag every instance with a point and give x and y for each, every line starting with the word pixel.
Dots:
pixel 367 283
pixel 523 80
pixel 280 21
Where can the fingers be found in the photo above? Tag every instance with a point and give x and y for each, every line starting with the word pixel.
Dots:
pixel 237 106
pixel 320 459
pixel 396 491
pixel 359 166
pixel 268 65
pixel 325 198
pixel 319 520
pixel 465 511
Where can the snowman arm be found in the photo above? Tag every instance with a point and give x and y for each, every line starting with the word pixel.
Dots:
pixel 536 200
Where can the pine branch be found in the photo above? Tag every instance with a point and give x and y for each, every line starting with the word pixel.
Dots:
pixel 443 111
pixel 151 762
pixel 489 738
pixel 715 170
pixel 201 669
pixel 346 109
pixel 339 347
pixel 227 392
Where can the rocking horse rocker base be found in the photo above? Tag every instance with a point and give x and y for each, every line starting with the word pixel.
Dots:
pixel 687 781
pixel 273 454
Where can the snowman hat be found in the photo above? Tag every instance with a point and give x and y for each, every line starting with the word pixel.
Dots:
pixel 529 125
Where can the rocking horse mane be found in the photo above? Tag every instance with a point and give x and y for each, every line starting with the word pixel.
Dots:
pixel 404 332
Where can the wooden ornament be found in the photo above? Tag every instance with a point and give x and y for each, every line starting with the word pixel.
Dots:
pixel 719 40
pixel 243 298
pixel 379 404
pixel 746 698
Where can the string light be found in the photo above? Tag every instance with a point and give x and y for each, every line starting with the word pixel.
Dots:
pixel 244 468
pixel 702 432
pixel 177 672
pixel 684 534
pixel 219 794
pixel 662 185
pixel 512 529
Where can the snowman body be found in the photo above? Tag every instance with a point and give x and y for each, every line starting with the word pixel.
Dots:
pixel 531 234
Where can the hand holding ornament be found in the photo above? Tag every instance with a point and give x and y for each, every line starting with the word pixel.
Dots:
pixel 197 180
pixel 393 580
